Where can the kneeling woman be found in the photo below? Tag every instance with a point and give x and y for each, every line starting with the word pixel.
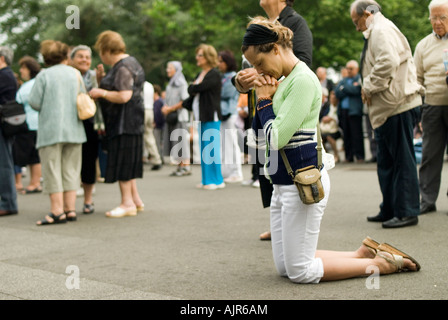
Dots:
pixel 286 117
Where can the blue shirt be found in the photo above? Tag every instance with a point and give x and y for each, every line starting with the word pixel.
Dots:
pixel 345 103
pixel 229 95
pixel 32 116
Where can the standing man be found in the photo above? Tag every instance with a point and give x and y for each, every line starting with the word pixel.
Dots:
pixel 348 92
pixel 8 89
pixel 431 74
pixel 283 12
pixel 391 92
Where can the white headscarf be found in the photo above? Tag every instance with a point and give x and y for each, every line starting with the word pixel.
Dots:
pixel 178 79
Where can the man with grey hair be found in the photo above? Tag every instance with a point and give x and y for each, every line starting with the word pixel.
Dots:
pixel 431 74
pixel 8 89
pixel 392 94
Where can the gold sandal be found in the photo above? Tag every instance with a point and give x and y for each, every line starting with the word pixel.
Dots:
pixel 396 260
pixel 371 244
pixel 392 250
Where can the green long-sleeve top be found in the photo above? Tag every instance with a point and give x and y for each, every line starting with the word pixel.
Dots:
pixel 290 123
pixel 54 96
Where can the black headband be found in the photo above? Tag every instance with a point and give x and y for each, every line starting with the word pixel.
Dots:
pixel 257 34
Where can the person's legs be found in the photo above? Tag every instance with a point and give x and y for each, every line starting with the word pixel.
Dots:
pixel 434 144
pixel 135 195
pixel 385 171
pixel 150 144
pixel 230 151
pixel 71 172
pixel 36 174
pixel 405 180
pixel 211 153
pixel 8 193
pixel 357 137
pixel 295 231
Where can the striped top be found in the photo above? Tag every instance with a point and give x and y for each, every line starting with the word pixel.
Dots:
pixel 290 124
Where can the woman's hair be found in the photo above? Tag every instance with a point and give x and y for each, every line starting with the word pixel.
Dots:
pixel 284 35
pixel 31 64
pixel 289 3
pixel 53 52
pixel 8 54
pixel 210 54
pixel 110 41
pixel 229 59
pixel 81 47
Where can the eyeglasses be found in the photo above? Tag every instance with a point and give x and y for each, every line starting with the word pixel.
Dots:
pixel 436 18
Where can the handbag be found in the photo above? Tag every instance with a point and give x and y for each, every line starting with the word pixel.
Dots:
pixel 188 103
pixel 172 118
pixel 13 118
pixel 308 180
pixel 86 106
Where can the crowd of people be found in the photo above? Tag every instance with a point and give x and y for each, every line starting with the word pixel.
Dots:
pixel 275 96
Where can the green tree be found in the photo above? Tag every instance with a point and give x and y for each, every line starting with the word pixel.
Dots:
pixel 157 31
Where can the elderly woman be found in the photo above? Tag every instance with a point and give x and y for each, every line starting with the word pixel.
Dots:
pixel 24 147
pixel 60 134
pixel 206 106
pixel 120 97
pixel 176 93
pixel 81 59
pixel 286 117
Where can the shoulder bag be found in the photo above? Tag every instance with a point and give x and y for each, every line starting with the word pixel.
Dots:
pixel 308 180
pixel 86 106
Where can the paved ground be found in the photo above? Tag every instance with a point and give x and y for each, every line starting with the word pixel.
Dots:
pixel 203 245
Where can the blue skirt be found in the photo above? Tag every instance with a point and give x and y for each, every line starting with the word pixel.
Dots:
pixel 210 146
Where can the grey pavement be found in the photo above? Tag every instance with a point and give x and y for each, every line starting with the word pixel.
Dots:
pixel 203 245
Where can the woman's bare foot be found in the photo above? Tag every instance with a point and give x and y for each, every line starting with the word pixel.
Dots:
pixel 365 252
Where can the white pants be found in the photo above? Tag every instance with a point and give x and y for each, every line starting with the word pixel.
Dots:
pixel 295 231
pixel 230 151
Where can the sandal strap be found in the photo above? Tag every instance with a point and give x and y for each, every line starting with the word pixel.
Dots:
pixel 56 219
pixel 88 208
pixel 396 261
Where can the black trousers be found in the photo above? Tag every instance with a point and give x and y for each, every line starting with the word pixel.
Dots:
pixel 89 154
pixel 397 166
pixel 353 136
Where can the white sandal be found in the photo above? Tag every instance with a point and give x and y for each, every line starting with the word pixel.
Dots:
pixel 119 212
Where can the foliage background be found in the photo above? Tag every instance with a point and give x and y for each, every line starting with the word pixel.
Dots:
pixel 157 31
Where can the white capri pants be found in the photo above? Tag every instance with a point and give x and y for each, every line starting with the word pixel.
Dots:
pixel 295 231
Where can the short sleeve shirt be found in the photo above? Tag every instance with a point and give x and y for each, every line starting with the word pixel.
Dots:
pixel 127 118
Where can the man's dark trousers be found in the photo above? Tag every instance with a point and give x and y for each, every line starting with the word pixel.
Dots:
pixel 397 168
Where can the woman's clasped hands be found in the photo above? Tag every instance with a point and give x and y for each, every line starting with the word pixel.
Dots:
pixel 265 86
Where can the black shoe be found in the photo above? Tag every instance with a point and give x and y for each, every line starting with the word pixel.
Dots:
pixel 7 212
pixel 400 222
pixel 156 167
pixel 427 208
pixel 378 218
